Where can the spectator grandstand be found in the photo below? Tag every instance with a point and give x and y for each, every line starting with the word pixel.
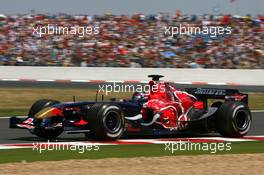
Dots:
pixel 132 41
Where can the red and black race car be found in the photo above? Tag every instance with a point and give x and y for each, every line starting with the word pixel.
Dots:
pixel 161 111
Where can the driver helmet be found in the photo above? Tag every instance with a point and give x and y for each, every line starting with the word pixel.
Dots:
pixel 139 97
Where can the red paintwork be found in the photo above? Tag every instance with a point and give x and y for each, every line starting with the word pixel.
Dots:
pixel 198 105
pixel 170 103
pixel 81 122
pixel 56 112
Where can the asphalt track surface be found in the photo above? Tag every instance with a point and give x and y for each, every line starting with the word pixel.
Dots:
pixel 8 135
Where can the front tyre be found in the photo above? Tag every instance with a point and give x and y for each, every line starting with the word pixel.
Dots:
pixel 107 122
pixel 39 105
pixel 233 119
pixel 41 130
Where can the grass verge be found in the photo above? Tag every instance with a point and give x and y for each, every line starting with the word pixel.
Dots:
pixel 120 151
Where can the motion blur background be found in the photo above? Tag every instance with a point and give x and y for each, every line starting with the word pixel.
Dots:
pixel 132 33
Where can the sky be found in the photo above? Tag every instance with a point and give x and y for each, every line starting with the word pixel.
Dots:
pixel 239 7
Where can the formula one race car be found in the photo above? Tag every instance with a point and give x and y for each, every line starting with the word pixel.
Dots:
pixel 161 111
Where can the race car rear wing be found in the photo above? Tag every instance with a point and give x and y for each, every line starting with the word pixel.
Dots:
pixel 214 93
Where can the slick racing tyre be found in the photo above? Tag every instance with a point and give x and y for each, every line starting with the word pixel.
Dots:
pixel 40 130
pixel 233 119
pixel 107 122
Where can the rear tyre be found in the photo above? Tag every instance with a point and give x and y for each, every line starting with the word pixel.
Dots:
pixel 107 122
pixel 233 119
pixel 39 130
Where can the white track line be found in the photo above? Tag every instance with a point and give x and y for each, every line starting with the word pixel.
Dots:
pixel 15 116
pixel 45 80
pixel 224 139
pixel 120 142
pixel 9 79
pixel 257 111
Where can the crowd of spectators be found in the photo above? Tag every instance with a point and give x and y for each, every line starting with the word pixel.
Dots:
pixel 132 41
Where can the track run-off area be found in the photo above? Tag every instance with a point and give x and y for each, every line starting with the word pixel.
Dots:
pixel 18 138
